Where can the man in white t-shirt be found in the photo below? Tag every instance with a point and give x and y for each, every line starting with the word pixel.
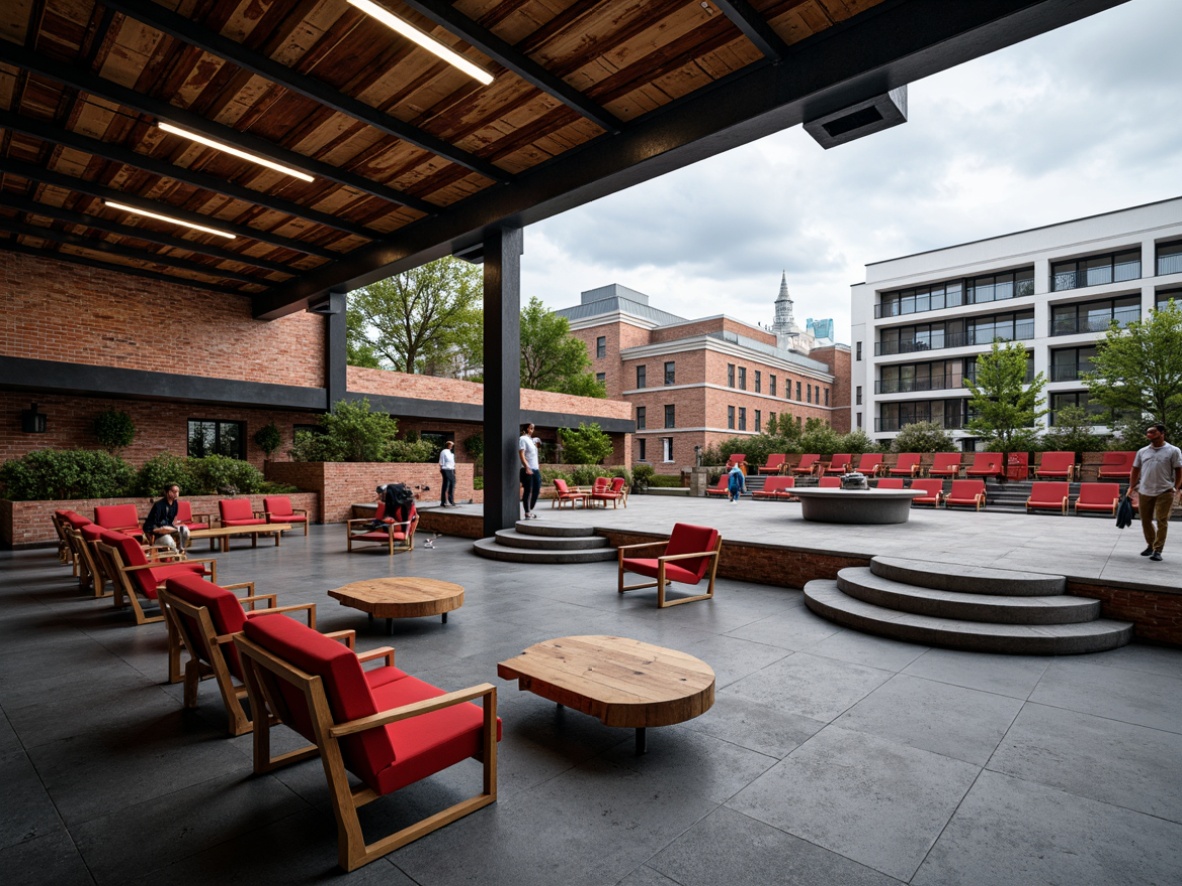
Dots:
pixel 531 477
pixel 447 471
pixel 1157 477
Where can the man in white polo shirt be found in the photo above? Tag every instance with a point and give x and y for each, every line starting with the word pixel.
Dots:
pixel 1157 476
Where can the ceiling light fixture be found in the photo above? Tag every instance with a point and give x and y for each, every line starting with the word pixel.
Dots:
pixel 168 218
pixel 410 32
pixel 242 155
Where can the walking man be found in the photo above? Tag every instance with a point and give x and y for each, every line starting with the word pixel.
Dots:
pixel 531 476
pixel 447 470
pixel 1157 476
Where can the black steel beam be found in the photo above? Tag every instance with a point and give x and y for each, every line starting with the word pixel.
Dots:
pixel 447 16
pixel 336 349
pixel 188 31
pixel 52 377
pixel 83 261
pixel 86 81
pixel 180 264
pixel 149 236
pixel 898 42
pixel 48 132
pixel 502 377
pixel 754 27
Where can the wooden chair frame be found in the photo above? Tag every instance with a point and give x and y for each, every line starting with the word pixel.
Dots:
pixel 91 569
pixel 393 545
pixel 661 582
pixel 262 671
pixel 125 587
pixel 196 670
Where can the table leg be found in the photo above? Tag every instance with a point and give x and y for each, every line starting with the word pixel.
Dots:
pixel 389 627
pixel 641 747
pixel 445 618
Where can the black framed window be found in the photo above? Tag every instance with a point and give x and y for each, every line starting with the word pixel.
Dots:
pixel 798 390
pixel 730 418
pixel 1069 364
pixel 742 418
pixel 642 376
pixel 216 437
pixel 640 446
pixel 1161 299
pixel 601 346
pixel 808 396
pixel 667 449
pixel 601 377
pixel 742 378
pixel 946 413
pixel 670 373
pixel 758 382
pixel 1169 258
pixel 1096 270
pixel 1095 316
pixel 1081 399
pixel 641 418
pixel 730 375
pixel 771 384
pixel 670 416
pixel 857 350
pixel 758 422
pixel 826 396
pixel 858 396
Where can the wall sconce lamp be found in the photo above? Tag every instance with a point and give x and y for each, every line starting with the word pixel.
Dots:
pixel 33 422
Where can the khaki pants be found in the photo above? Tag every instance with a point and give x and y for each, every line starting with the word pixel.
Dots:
pixel 1155 507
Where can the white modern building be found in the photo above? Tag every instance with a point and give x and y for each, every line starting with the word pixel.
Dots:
pixel 921 321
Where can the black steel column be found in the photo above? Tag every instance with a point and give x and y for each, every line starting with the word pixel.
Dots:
pixel 336 351
pixel 502 377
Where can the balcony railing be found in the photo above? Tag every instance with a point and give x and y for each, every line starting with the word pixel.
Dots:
pixel 1070 371
pixel 1076 325
pixel 1023 331
pixel 912 385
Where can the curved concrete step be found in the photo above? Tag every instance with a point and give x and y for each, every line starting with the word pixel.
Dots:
pixel 488 548
pixel 552 529
pixel 513 538
pixel 825 599
pixel 862 584
pixel 968 579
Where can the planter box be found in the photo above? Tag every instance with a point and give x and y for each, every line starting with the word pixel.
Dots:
pixel 26 524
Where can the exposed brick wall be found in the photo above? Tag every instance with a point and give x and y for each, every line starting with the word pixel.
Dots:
pixel 1156 616
pixel 104 318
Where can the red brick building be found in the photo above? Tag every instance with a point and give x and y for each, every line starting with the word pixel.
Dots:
pixel 695 383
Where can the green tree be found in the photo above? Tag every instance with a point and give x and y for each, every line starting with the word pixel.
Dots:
pixel 551 358
pixel 923 436
pixel 416 318
pixel 351 432
pixel 268 438
pixel 586 444
pixel 1138 371
pixel 1072 432
pixel 1005 404
pixel 358 348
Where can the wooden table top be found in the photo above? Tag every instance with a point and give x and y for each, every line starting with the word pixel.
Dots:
pixel 402 597
pixel 217 531
pixel 619 681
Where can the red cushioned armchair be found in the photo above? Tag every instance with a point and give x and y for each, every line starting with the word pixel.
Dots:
pixel 396 536
pixel 135 576
pixel 278 509
pixel 387 728
pixel 239 512
pixel 121 518
pixel 690 552
pixel 202 617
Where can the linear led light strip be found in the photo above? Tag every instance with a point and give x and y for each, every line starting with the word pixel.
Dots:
pixel 410 32
pixel 243 155
pixel 168 218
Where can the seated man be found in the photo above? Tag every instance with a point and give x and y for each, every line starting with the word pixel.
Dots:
pixel 161 527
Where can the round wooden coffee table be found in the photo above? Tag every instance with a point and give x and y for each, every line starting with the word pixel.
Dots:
pixel 406 597
pixel 622 682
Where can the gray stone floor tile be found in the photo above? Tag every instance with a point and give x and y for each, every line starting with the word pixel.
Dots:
pixel 819 688
pixel 964 724
pixel 26 812
pixel 49 859
pixel 794 629
pixel 1118 763
pixel 1012 675
pixel 1013 831
pixel 864 649
pixel 1160 660
pixel 646 876
pixel 1115 693
pixel 728 847
pixel 755 725
pixel 871 800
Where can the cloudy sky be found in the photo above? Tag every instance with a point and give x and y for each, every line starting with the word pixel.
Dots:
pixel 1079 121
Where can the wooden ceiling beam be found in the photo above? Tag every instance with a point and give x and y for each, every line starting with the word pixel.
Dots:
pixel 188 31
pixel 82 79
pixel 447 16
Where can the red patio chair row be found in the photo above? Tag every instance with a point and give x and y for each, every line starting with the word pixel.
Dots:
pixel 1055 495
pixel 777 489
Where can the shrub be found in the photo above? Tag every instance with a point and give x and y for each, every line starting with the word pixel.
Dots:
pixel 857 442
pixel 267 438
pixel 642 476
pixel 410 450
pixel 351 433
pixel 218 473
pixel 162 470
pixel 665 481
pixel 923 436
pixel 585 475
pixel 586 444
pixel 820 438
pixel 622 471
pixel 270 487
pixel 66 473
pixel 474 446
pixel 114 430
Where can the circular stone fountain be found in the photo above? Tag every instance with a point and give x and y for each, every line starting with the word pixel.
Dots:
pixel 854 506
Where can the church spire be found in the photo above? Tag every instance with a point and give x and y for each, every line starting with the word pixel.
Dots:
pixel 784 323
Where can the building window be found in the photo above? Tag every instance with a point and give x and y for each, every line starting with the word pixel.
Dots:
pixel 641 418
pixel 730 418
pixel 601 377
pixel 1169 258
pixel 798 390
pixel 742 378
pixel 640 449
pixel 826 396
pixel 808 393
pixel 858 396
pixel 947 414
pixel 771 384
pixel 758 382
pixel 1096 270
pixel 670 417
pixel 858 415
pixel 934 297
pixel 742 418
pixel 670 373
pixel 771 421
pixel 1074 398
pixel 641 377
pixel 730 375
pixel 1095 316
pixel 758 423
pixel 1164 297
pixel 1017 326
pixel 999 287
pixel 601 346
pixel 667 449
pixel 857 350
pixel 1069 364
pixel 213 437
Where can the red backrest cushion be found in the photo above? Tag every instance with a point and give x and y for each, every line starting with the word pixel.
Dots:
pixel 561 486
pixel 869 460
pixel 601 484
pixel 966 488
pixel 842 459
pixel 224 611
pixel 689 539
pixel 116 516
pixel 344 684
pixel 278 506
pixel 92 532
pixel 929 487
pixel 1057 461
pixel 1049 490
pixel 618 485
pixel 381 511
pixel 907 460
pixel 946 460
pixel 890 483
pixel 1098 493
pixel 184 512
pixel 236 509
pixel 76 520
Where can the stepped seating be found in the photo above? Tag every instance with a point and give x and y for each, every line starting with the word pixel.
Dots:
pixel 965 607
pixel 534 542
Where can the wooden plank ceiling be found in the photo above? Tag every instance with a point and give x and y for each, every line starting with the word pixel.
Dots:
pixel 397 141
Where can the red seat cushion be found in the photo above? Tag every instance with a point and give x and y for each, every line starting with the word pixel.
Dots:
pixel 147 579
pixel 237 512
pixel 673 572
